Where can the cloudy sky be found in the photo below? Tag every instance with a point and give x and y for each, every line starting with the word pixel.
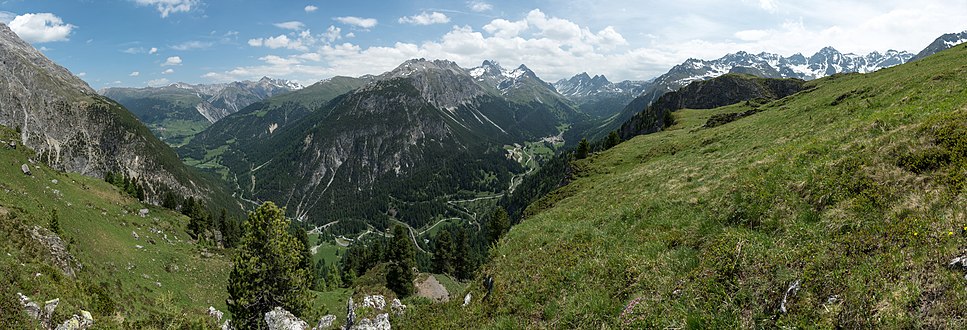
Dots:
pixel 157 42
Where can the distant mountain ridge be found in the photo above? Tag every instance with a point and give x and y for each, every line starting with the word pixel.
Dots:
pixel 393 143
pixel 597 96
pixel 827 61
pixel 942 43
pixel 178 111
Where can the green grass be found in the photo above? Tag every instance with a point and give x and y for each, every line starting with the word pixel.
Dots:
pixel 98 220
pixel 329 251
pixel 708 228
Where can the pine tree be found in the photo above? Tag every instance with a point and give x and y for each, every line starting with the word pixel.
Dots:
pixel 54 222
pixel 613 140
pixel 464 263
pixel 584 148
pixel 498 225
pixel 443 257
pixel 169 201
pixel 402 259
pixel 306 262
pixel 266 272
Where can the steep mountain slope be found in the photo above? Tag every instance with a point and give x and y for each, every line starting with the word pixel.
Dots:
pixel 176 112
pixel 942 43
pixel 708 94
pixel 74 129
pixel 261 120
pixel 128 271
pixel 828 61
pixel 398 146
pixel 597 96
pixel 838 207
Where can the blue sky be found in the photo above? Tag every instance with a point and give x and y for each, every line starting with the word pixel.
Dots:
pixel 157 42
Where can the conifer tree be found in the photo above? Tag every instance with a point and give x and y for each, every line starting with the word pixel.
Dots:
pixel 584 148
pixel 54 222
pixel 498 226
pixel 613 140
pixel 443 255
pixel 266 270
pixel 402 258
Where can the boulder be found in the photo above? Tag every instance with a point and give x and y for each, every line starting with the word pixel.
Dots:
pixel 25 169
pixel 214 313
pixel 397 307
pixel 31 307
pixel 143 212
pixel 376 302
pixel 280 319
pixel 466 300
pixel 78 322
pixel 380 322
pixel 325 322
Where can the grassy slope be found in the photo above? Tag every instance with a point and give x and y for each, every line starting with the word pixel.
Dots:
pixel 99 220
pixel 697 227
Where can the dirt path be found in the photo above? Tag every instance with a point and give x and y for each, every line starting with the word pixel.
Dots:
pixel 432 289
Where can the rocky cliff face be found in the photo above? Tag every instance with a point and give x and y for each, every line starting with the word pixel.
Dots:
pixel 73 128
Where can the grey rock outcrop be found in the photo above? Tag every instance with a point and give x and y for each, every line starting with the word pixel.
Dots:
pixel 376 302
pixel 58 250
pixel 216 314
pixel 380 322
pixel 280 319
pixel 397 307
pixel 44 317
pixel 325 322
pixel 77 322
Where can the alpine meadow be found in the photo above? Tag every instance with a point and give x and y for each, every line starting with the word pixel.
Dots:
pixel 212 164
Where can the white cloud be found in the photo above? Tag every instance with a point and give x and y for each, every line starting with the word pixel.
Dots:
pixel 280 41
pixel 82 74
pixel 41 27
pixel 769 5
pixel 350 35
pixel 133 50
pixel 425 18
pixel 158 82
pixel 135 74
pixel 332 33
pixel 311 8
pixel 189 45
pixel 153 50
pixel 502 28
pixel 174 60
pixel 751 35
pixel 168 71
pixel 556 48
pixel 291 25
pixel 167 7
pixel 479 6
pixel 365 23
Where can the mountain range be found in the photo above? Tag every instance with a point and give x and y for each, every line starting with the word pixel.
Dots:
pixel 826 62
pixel 393 144
pixel 178 111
